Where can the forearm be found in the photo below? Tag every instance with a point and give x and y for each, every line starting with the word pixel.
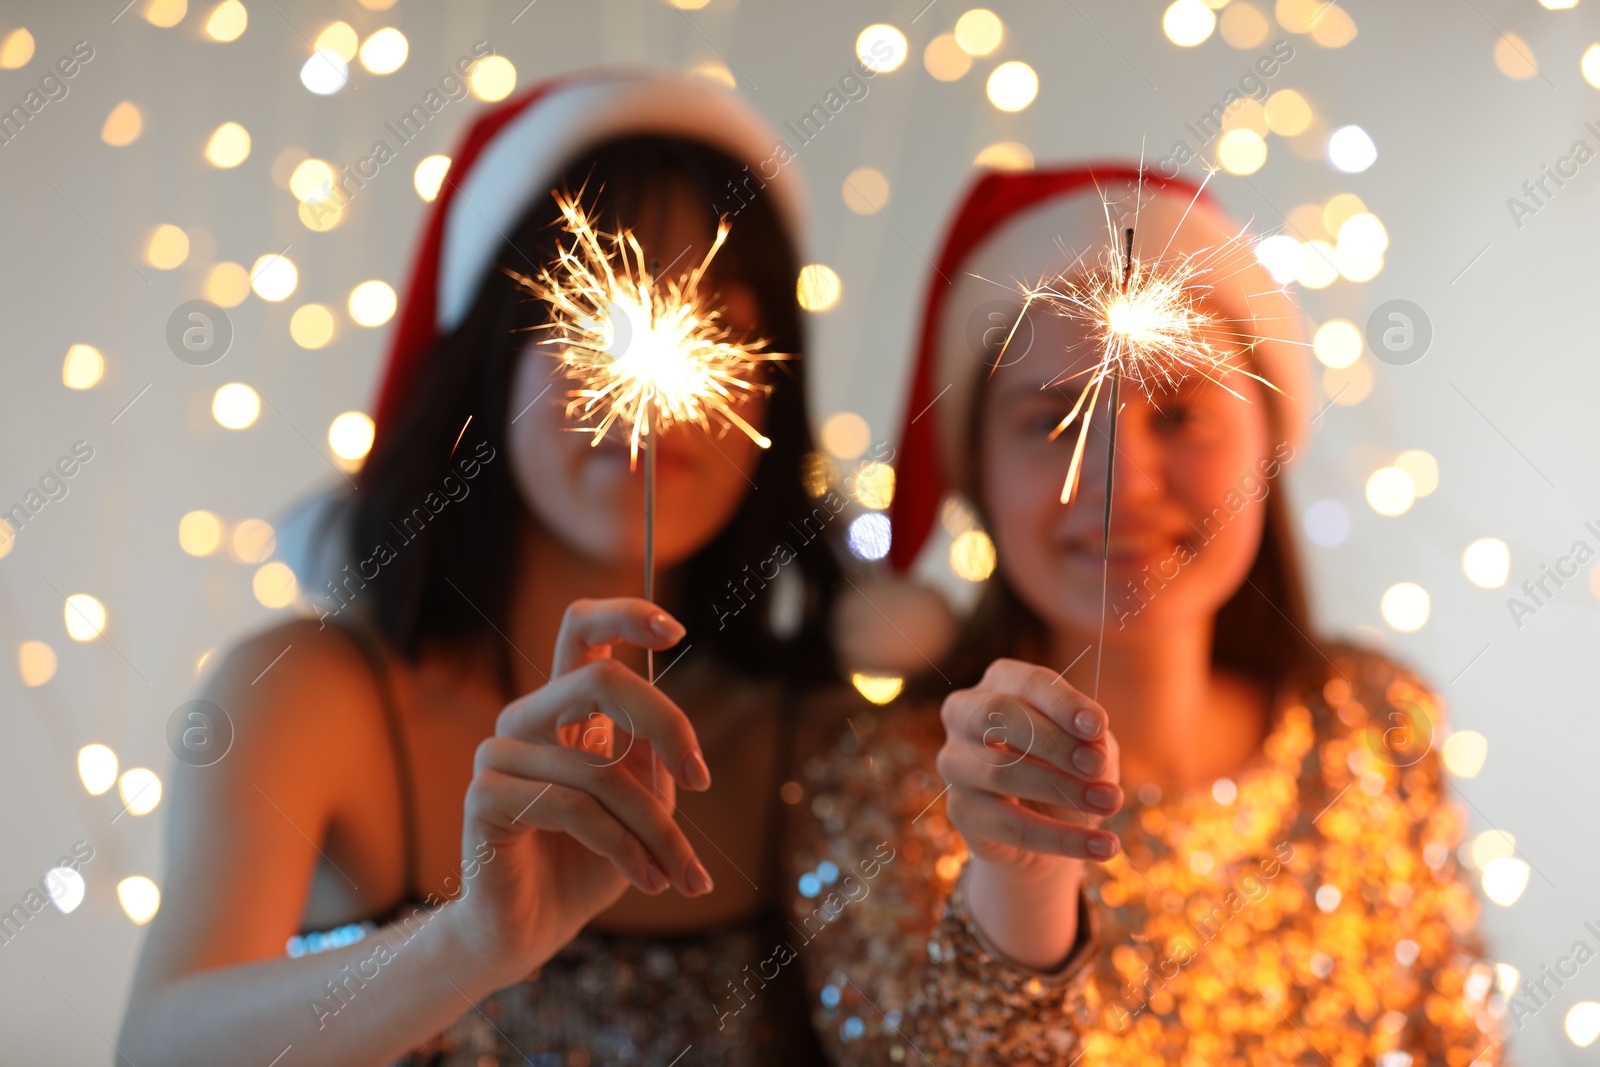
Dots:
pixel 365 1003
pixel 1028 919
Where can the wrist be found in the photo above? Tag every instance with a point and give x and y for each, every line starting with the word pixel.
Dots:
pixel 1027 918
pixel 461 954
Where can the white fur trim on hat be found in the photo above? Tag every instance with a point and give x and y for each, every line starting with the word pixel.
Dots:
pixel 517 166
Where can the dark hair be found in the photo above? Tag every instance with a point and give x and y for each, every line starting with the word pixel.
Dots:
pixel 1263 631
pixel 451 587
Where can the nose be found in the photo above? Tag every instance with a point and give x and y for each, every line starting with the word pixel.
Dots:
pixel 1137 463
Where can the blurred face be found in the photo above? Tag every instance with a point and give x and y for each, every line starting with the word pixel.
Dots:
pixel 1193 465
pixel 586 494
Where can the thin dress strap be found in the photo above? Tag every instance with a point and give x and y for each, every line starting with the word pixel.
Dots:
pixel 371 650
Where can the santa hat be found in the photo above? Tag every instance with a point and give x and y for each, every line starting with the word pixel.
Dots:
pixel 1023 227
pixel 507 162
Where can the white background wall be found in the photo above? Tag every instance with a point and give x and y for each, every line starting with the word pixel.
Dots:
pixel 1514 334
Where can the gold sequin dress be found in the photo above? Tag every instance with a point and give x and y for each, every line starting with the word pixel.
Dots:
pixel 1309 912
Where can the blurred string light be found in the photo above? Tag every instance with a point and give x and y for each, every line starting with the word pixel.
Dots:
pixel 492 78
pixel 139 897
pixel 36 663
pixel 1492 845
pixel 1243 25
pixel 227 284
pixel 1241 150
pixel 945 59
pixel 199 533
pixel 1506 978
pixel 311 326
pixel 325 73
pixel 868 536
pixel 274 585
pixel 1351 150
pixel 979 32
pixel 972 556
pixel 123 125
pixel 84 616
pixel 1590 65
pixel 1504 879
pixel 1464 753
pixel 818 288
pixel 236 406
pixel 1287 113
pixel 274 277
pixel 878 688
pixel 1327 523
pixel 229 146
pixel 1514 58
pixel 1188 22
pixel 1405 607
pixel 845 435
pixel 1005 155
pixel 227 22
pixel 372 303
pixel 83 367
pixel 865 191
pixel 165 14
pixel 167 247
pixel 1487 562
pixel 1337 343
pixel 66 888
pixel 16 49
pixel 875 486
pixel 1012 86
pixel 97 768
pixel 140 790
pixel 1390 491
pixel 881 39
pixel 429 176
pixel 254 541
pixel 1350 385
pixel 385 51
pixel 340 38
pixel 817 473
pixel 350 436
pixel 1582 1022
pixel 716 73
pixel 1423 469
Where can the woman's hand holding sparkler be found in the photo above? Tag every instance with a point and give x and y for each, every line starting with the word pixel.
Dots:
pixel 561 817
pixel 1031 767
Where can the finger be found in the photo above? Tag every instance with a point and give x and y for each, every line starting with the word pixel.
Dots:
pixel 624 798
pixel 1050 693
pixel 514 806
pixel 982 816
pixel 1026 779
pixel 1010 728
pixel 590 627
pixel 607 688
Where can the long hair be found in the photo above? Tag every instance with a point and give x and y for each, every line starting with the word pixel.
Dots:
pixel 1262 631
pixel 451 587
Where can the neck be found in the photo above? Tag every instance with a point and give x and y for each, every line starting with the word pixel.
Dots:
pixel 550 575
pixel 1164 705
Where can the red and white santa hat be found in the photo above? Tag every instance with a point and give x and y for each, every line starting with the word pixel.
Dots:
pixel 507 161
pixel 1019 228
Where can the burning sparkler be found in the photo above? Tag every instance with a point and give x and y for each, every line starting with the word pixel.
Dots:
pixel 1151 327
pixel 646 354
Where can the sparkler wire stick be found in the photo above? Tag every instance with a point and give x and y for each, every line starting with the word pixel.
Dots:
pixel 650 565
pixel 1111 470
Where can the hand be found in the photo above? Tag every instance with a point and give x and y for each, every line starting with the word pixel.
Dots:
pixel 1032 768
pixel 561 817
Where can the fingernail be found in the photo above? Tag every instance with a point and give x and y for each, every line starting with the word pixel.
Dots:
pixel 695 774
pixel 699 881
pixel 655 878
pixel 1088 760
pixel 1100 846
pixel 1087 723
pixel 664 625
pixel 1101 796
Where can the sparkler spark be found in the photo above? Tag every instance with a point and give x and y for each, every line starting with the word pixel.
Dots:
pixel 1148 321
pixel 644 353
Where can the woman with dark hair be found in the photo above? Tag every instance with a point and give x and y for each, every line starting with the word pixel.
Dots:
pixel 1242 852
pixel 439 815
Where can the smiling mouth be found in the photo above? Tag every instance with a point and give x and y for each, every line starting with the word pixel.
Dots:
pixel 1132 547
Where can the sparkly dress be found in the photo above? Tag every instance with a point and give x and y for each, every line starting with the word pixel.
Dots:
pixel 1310 912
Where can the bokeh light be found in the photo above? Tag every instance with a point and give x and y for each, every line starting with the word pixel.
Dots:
pixel 123 125
pixel 350 436
pixel 167 247
pixel 1464 753
pixel 1188 22
pixel 1405 607
pixel 311 326
pixel 845 435
pixel 1327 523
pixel 385 51
pixel 972 556
pixel 97 768
pixel 140 790
pixel 36 663
pixel 979 31
pixel 819 287
pixel 236 406
pixel 273 277
pixel 227 284
pixel 139 897
pixel 372 303
pixel 1012 86
pixel 1390 491
pixel 1004 155
pixel 1287 113
pixel 85 617
pixel 16 49
pixel 340 38
pixel 1244 26
pixel 199 533
pixel 1351 150
pixel 325 73
pixel 1514 58
pixel 1423 469
pixel 1337 343
pixel 254 540
pixel 946 60
pixel 165 14
pixel 227 21
pixel 429 176
pixel 1582 1022
pixel 274 585
pixel 875 486
pixel 1487 562
pixel 881 48
pixel 492 78
pixel 1504 880
pixel 878 688
pixel 869 536
pixel 865 191
pixel 229 146
pixel 83 367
